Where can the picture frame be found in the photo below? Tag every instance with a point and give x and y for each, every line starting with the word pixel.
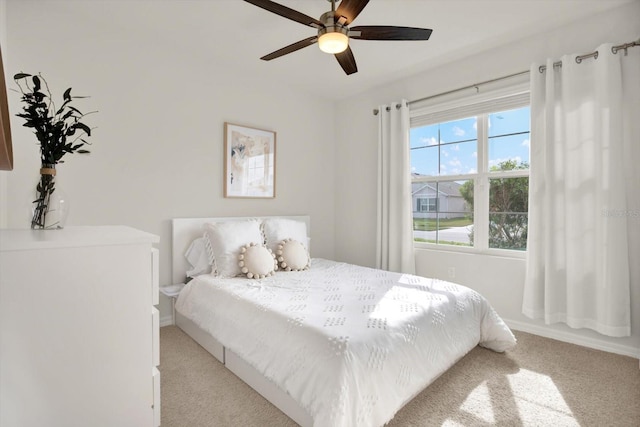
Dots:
pixel 249 162
pixel 6 147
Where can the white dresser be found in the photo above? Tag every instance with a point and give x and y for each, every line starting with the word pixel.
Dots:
pixel 78 328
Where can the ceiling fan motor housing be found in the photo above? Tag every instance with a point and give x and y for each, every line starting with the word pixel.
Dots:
pixel 334 36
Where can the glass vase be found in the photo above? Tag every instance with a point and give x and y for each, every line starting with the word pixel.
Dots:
pixel 50 208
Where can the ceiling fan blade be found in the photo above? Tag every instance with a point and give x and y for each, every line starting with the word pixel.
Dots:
pixel 286 12
pixel 347 61
pixel 291 48
pixel 386 32
pixel 350 9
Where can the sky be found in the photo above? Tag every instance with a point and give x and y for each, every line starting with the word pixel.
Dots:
pixel 451 148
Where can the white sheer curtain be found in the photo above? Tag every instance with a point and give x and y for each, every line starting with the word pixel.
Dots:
pixel 394 250
pixel 583 186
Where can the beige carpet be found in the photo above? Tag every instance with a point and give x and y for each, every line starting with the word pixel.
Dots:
pixel 541 382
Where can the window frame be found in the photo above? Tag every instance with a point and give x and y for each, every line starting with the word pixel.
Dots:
pixel 479 106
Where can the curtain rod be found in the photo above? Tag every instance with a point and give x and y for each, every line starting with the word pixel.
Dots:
pixel 475 85
pixel 594 55
pixel 579 59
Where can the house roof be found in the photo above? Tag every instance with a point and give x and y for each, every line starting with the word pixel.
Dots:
pixel 447 188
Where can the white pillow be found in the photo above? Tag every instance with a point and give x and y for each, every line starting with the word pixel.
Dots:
pixel 257 261
pixel 198 257
pixel 278 229
pixel 226 239
pixel 292 255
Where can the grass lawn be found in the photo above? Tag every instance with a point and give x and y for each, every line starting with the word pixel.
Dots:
pixel 431 224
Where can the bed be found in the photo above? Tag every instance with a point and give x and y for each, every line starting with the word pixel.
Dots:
pixel 331 344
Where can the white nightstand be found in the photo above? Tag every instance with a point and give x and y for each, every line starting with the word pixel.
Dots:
pixel 172 292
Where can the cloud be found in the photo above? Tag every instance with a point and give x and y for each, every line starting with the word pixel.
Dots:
pixel 455 147
pixel 526 143
pixel 458 131
pixel 456 166
pixel 474 154
pixel 429 141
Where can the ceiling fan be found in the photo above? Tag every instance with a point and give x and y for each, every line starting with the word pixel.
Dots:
pixel 334 32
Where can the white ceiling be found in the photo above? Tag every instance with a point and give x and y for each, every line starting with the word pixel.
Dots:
pixel 237 33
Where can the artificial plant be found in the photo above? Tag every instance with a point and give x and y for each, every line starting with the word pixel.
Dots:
pixel 58 130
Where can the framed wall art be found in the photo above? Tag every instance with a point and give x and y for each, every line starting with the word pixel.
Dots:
pixel 249 162
pixel 6 148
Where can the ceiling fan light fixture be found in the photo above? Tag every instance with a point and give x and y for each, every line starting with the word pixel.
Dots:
pixel 334 33
pixel 333 40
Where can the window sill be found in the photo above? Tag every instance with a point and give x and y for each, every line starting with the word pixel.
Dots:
pixel 502 253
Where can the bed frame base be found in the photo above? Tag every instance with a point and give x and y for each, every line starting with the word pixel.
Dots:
pixel 269 390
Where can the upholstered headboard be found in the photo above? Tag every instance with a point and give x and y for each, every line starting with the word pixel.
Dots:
pixel 186 230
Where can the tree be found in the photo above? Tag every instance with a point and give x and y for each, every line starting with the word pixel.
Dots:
pixel 508 207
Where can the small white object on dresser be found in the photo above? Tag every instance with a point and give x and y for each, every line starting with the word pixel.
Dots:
pixel 78 330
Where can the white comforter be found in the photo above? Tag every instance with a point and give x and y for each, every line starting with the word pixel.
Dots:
pixel 351 344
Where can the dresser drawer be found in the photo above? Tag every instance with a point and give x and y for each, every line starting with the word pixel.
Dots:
pixel 156 396
pixel 155 333
pixel 155 276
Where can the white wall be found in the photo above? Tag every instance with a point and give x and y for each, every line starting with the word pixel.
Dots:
pixel 499 279
pixel 157 150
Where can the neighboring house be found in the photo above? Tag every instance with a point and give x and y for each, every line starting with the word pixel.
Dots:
pixel 443 199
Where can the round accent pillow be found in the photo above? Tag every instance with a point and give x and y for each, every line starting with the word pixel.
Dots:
pixel 292 255
pixel 257 261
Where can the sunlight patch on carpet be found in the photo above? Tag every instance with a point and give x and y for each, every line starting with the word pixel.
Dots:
pixel 539 400
pixel 478 403
pixel 452 423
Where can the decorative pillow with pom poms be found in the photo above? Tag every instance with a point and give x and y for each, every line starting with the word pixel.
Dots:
pixel 292 255
pixel 257 261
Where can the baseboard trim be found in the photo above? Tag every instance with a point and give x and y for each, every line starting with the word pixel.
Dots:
pixel 166 321
pixel 542 331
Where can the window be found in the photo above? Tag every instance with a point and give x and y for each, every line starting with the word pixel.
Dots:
pixel 470 175
pixel 429 204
